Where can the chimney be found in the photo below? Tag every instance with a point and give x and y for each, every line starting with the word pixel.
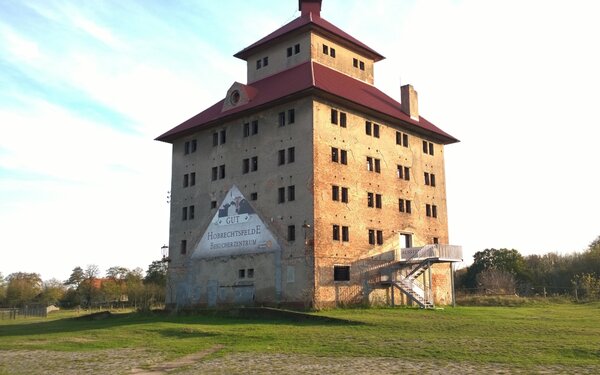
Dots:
pixel 409 101
pixel 310 6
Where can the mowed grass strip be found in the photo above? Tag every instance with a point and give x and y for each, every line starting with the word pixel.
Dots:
pixel 553 334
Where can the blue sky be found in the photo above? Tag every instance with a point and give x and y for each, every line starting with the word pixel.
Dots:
pixel 85 87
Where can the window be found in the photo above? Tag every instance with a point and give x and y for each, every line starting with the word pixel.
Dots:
pixel 214 173
pixel 192 178
pixel 254 127
pixel 325 49
pixel 379 237
pixel 403 173
pixel 402 139
pixel 241 274
pixel 258 64
pixel 344 157
pixel 362 65
pixel 371 237
pixel 223 134
pixel 404 205
pixel 250 273
pixel 370 200
pixel 213 204
pixel 376 130
pixel 336 232
pixel 428 148
pixel 291 193
pixel 221 171
pixel 215 139
pixel 281 119
pixel 289 51
pixel 183 247
pixel 297 49
pixel 335 155
pixel 431 210
pixel 378 201
pixel 335 193
pixel 343 119
pixel 436 240
pixel 281 157
pixel 245 166
pixel 281 195
pixel 254 164
pixel 191 212
pixel 186 180
pixel 429 179
pixel 194 145
pixel 253 196
pixel 291 116
pixel 265 61
pixel 355 63
pixel 332 52
pixel 186 148
pixel 375 237
pixel 369 164
pixel 291 155
pixel 341 273
pixel 345 195
pixel 334 116
pixel 377 165
pixel 291 233
pixel 184 213
pixel 345 234
pixel 368 126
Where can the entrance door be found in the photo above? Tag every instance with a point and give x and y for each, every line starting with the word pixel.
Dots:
pixel 405 240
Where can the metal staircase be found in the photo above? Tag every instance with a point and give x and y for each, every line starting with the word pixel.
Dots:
pixel 410 264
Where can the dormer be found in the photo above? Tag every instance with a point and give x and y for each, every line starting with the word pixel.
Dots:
pixel 309 37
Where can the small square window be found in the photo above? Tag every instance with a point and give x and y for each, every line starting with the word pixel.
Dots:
pixel 241 274
pixel 289 51
pixel 250 273
pixel 291 154
pixel 297 49
pixel 254 127
pixel 291 233
pixel 214 173
pixel 436 240
pixel 253 196
pixel 281 195
pixel 343 119
pixel 291 193
pixel 213 205
pixel 341 273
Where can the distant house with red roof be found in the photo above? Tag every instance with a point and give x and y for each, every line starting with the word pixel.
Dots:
pixel 307 185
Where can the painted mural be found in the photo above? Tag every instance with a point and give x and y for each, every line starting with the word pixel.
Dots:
pixel 235 229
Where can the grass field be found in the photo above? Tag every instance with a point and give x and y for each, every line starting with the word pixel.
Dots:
pixel 546 338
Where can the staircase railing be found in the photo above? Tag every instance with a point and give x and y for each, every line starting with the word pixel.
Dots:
pixel 429 251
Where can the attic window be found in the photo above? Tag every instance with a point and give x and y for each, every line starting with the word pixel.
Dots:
pixel 235 97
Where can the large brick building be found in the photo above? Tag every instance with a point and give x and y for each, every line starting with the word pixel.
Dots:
pixel 307 185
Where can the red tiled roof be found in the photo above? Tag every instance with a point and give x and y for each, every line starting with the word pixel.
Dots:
pixel 309 21
pixel 307 76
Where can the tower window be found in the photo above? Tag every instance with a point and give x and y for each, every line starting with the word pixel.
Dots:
pixel 291 233
pixel 297 49
pixel 341 273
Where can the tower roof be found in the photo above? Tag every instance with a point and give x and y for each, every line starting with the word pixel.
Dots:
pixel 310 19
pixel 310 78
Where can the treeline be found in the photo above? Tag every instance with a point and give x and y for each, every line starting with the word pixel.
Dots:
pixel 119 286
pixel 504 271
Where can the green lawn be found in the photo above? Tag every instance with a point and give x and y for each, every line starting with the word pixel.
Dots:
pixel 524 337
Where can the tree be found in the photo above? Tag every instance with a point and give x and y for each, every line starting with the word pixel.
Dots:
pixel 76 277
pixel 495 281
pixel 156 273
pixel 22 288
pixel 53 292
pixel 89 290
pixel 506 260
pixel 2 289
